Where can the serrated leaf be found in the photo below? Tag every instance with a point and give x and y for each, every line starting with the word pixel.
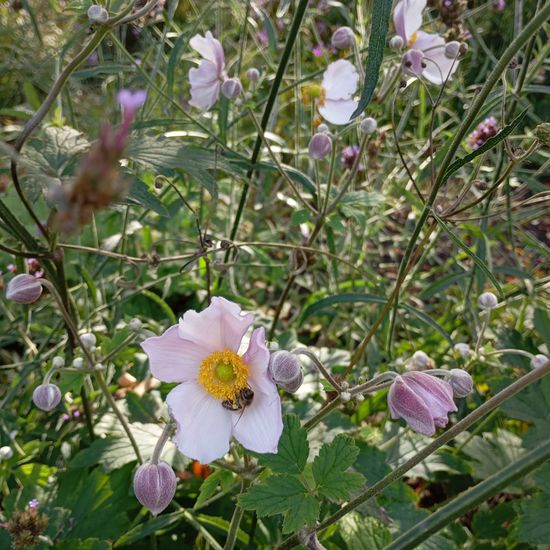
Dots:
pixel 140 194
pixel 533 524
pixel 330 465
pixel 210 485
pixel 364 533
pixel 292 451
pixel 282 494
pixel 380 22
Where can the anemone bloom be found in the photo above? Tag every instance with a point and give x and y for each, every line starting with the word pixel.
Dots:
pixel 201 354
pixel 423 401
pixel 335 101
pixel 206 80
pixel 426 55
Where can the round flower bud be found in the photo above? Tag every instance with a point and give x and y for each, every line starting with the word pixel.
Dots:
pixel 135 324
pixel 345 396
pixel 343 38
pixel 322 129
pixel 46 396
pixel 58 362
pixel 155 486
pixel 253 75
pixel 421 360
pixel 97 15
pixel 78 362
pixel 452 49
pixel 396 42
pixel 462 349
pixel 6 453
pixel 368 125
pixel 487 300
pixel 359 398
pixel 24 289
pixel 88 340
pixel 285 370
pixel 320 145
pixel 231 88
pixel 538 360
pixel 461 382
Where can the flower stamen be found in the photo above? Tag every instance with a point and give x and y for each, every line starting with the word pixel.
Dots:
pixel 223 374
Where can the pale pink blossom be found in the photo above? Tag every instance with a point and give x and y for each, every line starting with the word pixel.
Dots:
pixel 336 103
pixel 426 55
pixel 206 80
pixel 201 353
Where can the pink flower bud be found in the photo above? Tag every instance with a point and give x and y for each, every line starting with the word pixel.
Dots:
pixel 24 289
pixel 538 360
pixel 421 361
pixel 320 145
pixel 97 15
pixel 368 125
pixel 462 349
pixel 487 300
pixel 423 401
pixel 130 101
pixel 461 382
pixel 396 42
pixel 452 49
pixel 413 62
pixel 46 396
pixel 343 38
pixel 232 88
pixel 155 486
pixel 253 75
pixel 285 370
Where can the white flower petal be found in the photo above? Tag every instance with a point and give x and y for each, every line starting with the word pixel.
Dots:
pixel 173 359
pixel 439 67
pixel 407 17
pixel 219 327
pixel 260 425
pixel 203 425
pixel 205 85
pixel 340 80
pixel 209 48
pixel 338 112
pixel 257 359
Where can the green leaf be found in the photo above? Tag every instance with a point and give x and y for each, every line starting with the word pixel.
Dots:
pixel 282 494
pixel 542 324
pixel 489 144
pixel 210 485
pixel 330 465
pixel 293 449
pixel 140 194
pixel 151 526
pixel 364 533
pixel 300 216
pixel 491 523
pixel 477 260
pixel 533 524
pixel 380 22
pixel 87 544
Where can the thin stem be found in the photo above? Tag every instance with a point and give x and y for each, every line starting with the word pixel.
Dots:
pixel 238 513
pixel 482 331
pixel 319 366
pixel 164 436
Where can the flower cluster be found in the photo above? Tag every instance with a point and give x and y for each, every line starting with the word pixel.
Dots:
pixel 485 130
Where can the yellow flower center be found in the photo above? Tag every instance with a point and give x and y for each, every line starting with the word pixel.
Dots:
pixel 223 374
pixel 412 40
pixel 313 91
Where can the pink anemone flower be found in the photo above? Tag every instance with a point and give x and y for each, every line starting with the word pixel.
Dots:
pixel 423 401
pixel 335 102
pixel 206 80
pixel 426 55
pixel 220 393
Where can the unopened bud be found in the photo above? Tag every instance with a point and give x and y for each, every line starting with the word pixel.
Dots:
pixel 24 289
pixel 231 88
pixel 253 75
pixel 320 145
pixel 461 382
pixel 285 370
pixel 322 129
pixel 58 362
pixel 88 340
pixel 135 324
pixel 538 360
pixel 6 453
pixel 46 396
pixel 452 49
pixel 343 38
pixel 368 125
pixel 396 42
pixel 421 360
pixel 359 398
pixel 155 486
pixel 487 300
pixel 78 362
pixel 462 349
pixel 345 396
pixel 97 15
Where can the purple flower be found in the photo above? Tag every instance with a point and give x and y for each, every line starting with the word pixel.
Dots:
pixel 349 154
pixel 499 5
pixel 423 401
pixel 485 130
pixel 131 100
pixel 318 49
pixel 33 503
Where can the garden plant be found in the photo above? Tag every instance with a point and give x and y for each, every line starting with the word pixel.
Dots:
pixel 274 274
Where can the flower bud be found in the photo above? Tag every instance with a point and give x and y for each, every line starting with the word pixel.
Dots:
pixel 538 360
pixel 46 396
pixel 253 75
pixel 452 49
pixel 322 129
pixel 345 396
pixel 97 15
pixel 135 324
pixel 396 42
pixel 421 361
pixel 231 88
pixel 24 289
pixel 368 125
pixel 343 38
pixel 155 486
pixel 58 362
pixel 487 300
pixel 78 362
pixel 461 382
pixel 320 145
pixel 5 453
pixel 285 370
pixel 88 340
pixel 462 349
